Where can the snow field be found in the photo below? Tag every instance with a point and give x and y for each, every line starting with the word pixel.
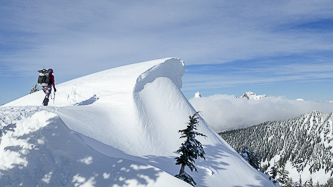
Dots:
pixel 118 127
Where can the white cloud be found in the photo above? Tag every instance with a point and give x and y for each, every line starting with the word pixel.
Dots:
pixel 77 38
pixel 226 112
pixel 113 33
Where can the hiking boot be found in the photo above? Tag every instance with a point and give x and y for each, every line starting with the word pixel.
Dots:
pixel 45 102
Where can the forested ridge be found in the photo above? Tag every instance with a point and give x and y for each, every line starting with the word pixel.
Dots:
pixel 306 141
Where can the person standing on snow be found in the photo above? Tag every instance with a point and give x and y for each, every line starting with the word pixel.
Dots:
pixel 48 89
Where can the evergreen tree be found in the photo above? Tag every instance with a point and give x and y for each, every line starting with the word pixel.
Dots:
pixel 190 150
pixel 34 89
pixel 250 157
pixel 329 182
pixel 283 175
pixel 300 181
pixel 273 173
pixel 289 183
pixel 303 144
pixel 296 184
pixel 309 183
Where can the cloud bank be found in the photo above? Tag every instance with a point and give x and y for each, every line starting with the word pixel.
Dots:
pixel 226 112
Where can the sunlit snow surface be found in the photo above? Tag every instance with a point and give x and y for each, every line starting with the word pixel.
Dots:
pixel 118 127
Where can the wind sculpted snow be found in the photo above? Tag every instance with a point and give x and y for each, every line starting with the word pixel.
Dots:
pixel 118 127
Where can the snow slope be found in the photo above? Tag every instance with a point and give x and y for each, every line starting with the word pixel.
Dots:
pixel 118 127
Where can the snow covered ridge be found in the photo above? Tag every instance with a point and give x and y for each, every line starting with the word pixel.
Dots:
pixel 118 127
pixel 172 68
pixel 130 78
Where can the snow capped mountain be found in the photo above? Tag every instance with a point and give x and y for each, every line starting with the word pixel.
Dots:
pixel 118 127
pixel 304 144
pixel 197 95
pixel 250 95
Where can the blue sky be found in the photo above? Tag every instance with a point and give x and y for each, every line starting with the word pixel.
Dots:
pixel 280 48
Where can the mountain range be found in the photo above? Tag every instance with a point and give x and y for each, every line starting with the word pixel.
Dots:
pixel 250 95
pixel 303 144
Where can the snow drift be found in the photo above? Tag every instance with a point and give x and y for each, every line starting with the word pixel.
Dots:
pixel 118 127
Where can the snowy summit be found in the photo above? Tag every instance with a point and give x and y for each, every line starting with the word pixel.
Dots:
pixel 118 127
pixel 252 96
pixel 197 95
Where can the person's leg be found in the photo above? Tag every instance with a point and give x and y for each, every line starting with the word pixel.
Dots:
pixel 47 91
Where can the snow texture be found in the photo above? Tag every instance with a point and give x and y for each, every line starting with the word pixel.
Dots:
pixel 118 127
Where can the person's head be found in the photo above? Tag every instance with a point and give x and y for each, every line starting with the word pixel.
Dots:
pixel 50 70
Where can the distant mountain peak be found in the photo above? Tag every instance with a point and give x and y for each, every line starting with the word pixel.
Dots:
pixel 197 95
pixel 252 96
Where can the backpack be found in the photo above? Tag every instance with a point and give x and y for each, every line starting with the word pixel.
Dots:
pixel 43 78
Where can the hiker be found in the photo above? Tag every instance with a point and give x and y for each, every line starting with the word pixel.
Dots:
pixel 48 89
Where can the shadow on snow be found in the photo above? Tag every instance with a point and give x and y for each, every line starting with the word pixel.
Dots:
pixel 88 101
pixel 58 157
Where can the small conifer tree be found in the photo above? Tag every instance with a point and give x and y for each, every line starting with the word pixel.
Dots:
pixel 34 89
pixel 250 157
pixel 283 175
pixel 190 150
pixel 273 173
